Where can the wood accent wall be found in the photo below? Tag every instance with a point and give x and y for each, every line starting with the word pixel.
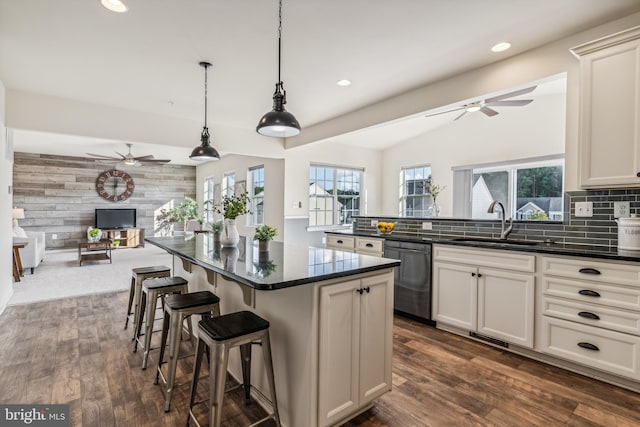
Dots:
pixel 59 197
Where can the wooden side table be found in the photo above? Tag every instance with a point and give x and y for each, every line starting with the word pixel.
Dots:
pixel 17 262
pixel 94 251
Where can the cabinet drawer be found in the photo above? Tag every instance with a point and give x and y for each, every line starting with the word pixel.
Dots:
pixel 364 244
pixel 485 257
pixel 585 269
pixel 592 292
pixel 612 351
pixel 345 243
pixel 592 314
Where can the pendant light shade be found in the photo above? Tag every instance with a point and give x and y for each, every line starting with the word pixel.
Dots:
pixel 279 122
pixel 205 151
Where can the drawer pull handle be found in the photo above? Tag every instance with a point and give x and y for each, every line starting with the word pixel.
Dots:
pixel 339 241
pixel 369 245
pixel 473 274
pixel 589 293
pixel 588 315
pixel 588 346
pixel 589 271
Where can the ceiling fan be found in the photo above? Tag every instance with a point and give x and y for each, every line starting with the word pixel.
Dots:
pixel 484 106
pixel 130 160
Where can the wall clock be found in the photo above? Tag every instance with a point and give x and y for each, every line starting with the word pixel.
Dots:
pixel 115 185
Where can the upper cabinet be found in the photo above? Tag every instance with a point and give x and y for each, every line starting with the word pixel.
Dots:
pixel 610 110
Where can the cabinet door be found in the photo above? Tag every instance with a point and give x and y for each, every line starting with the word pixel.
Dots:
pixel 610 115
pixel 339 351
pixel 376 336
pixel 455 295
pixel 505 305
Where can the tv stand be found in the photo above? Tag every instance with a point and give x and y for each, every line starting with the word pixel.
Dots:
pixel 129 237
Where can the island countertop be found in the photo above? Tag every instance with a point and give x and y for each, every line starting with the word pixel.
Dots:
pixel 283 266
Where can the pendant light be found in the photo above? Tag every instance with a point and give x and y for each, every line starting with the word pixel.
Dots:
pixel 279 122
pixel 205 151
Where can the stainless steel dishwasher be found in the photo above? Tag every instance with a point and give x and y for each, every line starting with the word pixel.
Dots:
pixel 412 280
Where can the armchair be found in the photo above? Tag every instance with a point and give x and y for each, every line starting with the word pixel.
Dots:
pixel 33 252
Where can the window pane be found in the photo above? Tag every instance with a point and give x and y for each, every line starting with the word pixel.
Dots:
pixel 539 193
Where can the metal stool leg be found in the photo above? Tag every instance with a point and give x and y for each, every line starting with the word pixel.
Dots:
pixel 138 328
pixel 200 346
pixel 217 379
pixel 132 291
pixel 152 303
pixel 268 363
pixel 245 357
pixel 175 335
pixel 163 343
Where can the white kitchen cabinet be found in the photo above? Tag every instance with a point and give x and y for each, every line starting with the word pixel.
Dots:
pixel 609 131
pixel 343 243
pixel 369 246
pixel 496 302
pixel 591 313
pixel 356 332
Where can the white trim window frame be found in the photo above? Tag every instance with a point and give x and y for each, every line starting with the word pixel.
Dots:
pixel 256 194
pixel 334 195
pixel 415 198
pixel 229 184
pixel 207 198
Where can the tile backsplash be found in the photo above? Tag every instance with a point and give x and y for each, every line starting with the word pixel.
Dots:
pixel 600 229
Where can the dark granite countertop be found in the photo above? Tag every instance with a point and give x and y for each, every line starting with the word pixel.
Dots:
pixel 283 266
pixel 552 248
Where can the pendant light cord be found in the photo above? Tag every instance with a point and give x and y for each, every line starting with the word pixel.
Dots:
pixel 279 40
pixel 205 95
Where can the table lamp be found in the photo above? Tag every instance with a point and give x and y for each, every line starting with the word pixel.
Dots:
pixel 17 213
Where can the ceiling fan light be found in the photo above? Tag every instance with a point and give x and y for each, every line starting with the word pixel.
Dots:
pixel 473 108
pixel 501 47
pixel 114 5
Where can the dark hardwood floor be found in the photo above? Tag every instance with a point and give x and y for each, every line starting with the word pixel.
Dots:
pixel 75 351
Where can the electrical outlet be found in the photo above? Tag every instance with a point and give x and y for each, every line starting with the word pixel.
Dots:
pixel 584 209
pixel 54 236
pixel 621 209
pixel 374 222
pixel 427 226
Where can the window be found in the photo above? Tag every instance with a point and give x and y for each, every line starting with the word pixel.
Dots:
pixel 529 190
pixel 207 197
pixel 415 199
pixel 229 184
pixel 334 195
pixel 256 193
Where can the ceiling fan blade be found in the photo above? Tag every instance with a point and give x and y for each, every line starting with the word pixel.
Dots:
pixel 153 160
pixel 148 156
pixel 100 156
pixel 463 113
pixel 444 112
pixel 121 155
pixel 510 103
pixel 488 111
pixel 510 94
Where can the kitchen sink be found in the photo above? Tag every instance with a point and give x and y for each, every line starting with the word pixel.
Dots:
pixel 497 242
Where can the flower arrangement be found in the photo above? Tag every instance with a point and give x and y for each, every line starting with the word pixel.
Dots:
pixel 265 233
pixel 385 227
pixel 233 206
pixel 94 232
pixel 217 226
pixel 186 210
pixel 434 189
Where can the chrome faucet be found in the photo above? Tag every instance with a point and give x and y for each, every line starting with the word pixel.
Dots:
pixel 503 232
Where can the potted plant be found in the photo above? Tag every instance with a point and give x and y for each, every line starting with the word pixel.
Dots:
pixel 263 235
pixel 94 234
pixel 116 243
pixel 232 207
pixel 186 210
pixel 216 228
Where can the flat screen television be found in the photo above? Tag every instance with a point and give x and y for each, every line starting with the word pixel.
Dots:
pixel 115 218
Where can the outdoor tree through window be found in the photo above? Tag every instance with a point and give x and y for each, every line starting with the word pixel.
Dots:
pixel 334 195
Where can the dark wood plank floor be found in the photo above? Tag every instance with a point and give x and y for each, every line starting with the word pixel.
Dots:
pixel 75 351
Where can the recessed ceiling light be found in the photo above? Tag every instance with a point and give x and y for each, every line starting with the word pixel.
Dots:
pixel 502 46
pixel 114 5
pixel 343 82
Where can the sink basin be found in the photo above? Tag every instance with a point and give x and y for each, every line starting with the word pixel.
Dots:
pixel 497 242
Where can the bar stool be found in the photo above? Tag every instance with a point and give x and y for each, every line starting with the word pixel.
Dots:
pixel 177 307
pixel 135 291
pixel 220 334
pixel 152 289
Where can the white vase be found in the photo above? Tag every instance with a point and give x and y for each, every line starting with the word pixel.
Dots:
pixel 229 236
pixel 229 257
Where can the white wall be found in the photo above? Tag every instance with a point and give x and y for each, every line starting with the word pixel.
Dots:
pixel 6 277
pixel 515 133
pixel 273 184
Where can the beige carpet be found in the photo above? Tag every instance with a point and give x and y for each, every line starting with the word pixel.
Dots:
pixel 59 276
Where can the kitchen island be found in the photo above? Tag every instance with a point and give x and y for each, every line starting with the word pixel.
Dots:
pixel 331 316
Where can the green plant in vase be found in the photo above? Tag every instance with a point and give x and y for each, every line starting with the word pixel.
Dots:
pixel 232 207
pixel 264 234
pixel 94 234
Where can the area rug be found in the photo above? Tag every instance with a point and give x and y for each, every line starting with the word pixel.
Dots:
pixel 60 276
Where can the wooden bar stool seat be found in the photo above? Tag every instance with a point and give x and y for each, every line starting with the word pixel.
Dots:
pixel 152 289
pixel 220 334
pixel 177 308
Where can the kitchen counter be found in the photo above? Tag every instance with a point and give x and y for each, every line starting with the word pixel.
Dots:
pixel 602 252
pixel 330 315
pixel 283 266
